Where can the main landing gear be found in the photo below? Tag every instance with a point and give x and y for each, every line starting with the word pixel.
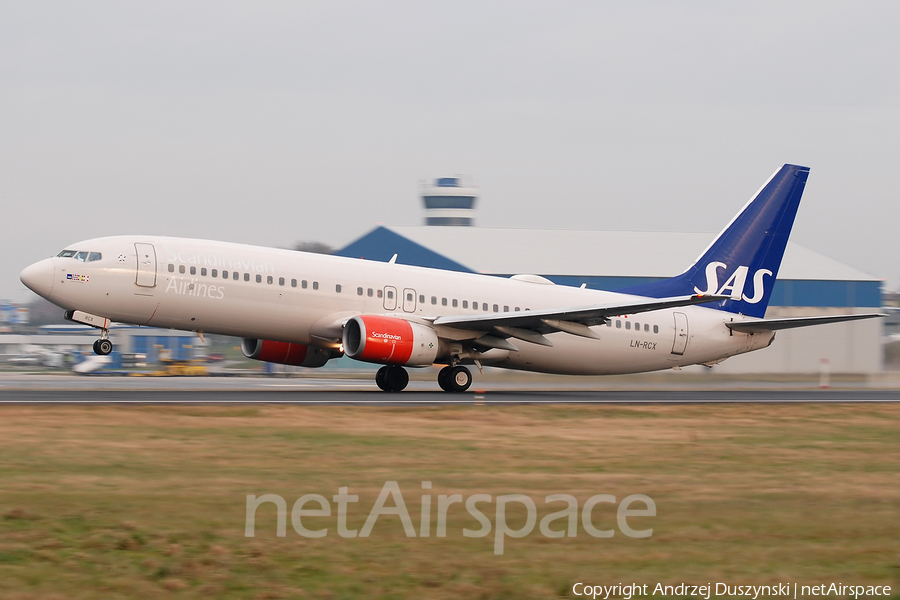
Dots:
pixel 455 379
pixel 394 378
pixel 391 378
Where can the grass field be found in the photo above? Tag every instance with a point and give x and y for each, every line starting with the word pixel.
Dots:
pixel 149 502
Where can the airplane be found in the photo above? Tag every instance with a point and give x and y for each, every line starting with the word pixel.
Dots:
pixel 303 309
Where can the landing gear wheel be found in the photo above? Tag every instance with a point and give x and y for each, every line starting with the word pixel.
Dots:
pixel 103 347
pixel 392 379
pixel 455 379
pixel 381 379
pixel 444 379
pixel 397 379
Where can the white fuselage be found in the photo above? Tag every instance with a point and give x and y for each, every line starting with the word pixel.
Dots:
pixel 305 298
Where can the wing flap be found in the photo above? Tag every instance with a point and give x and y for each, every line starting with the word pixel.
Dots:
pixel 541 321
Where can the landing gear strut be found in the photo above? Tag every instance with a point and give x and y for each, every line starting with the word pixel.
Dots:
pixel 391 378
pixel 455 379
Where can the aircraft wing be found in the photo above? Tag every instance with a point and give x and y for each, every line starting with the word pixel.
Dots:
pixel 791 323
pixel 528 325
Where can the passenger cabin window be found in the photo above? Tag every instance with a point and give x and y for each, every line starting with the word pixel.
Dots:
pixel 496 308
pixel 303 284
pixel 359 291
pixel 224 274
pixel 236 274
pixel 315 285
pixel 203 271
pixel 421 299
pixel 618 324
pixel 465 304
pixel 390 294
pixel 379 293
pixel 215 273
pixel 656 329
pixel 454 303
pixel 505 308
pixel 627 324
pixel 246 276
pixel 193 270
pixel 281 281
pixel 293 283
pixel 434 300
pixel 337 288
pixel 94 256
pixel 484 306
pixel 259 279
pixel 67 253
pixel 171 268
pixel 181 269
pixel 269 280
pixel 443 302
pixel 369 292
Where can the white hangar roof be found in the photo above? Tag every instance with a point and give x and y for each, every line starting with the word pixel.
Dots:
pixel 600 253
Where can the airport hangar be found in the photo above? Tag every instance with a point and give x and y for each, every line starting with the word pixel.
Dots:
pixel 808 283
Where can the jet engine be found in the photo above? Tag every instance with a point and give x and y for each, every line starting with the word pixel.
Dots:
pixel 390 341
pixel 285 353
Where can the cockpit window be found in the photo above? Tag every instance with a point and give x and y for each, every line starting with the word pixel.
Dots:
pixel 67 253
pixel 94 256
pixel 81 256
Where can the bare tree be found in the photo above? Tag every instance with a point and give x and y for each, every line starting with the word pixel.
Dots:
pixel 315 247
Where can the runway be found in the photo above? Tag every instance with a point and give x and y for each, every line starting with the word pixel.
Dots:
pixel 362 392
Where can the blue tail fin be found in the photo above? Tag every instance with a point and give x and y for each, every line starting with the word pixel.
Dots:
pixel 743 260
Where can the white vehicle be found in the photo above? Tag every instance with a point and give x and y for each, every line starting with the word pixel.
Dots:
pixel 304 309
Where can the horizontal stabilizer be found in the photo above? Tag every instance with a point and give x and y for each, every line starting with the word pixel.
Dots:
pixel 791 323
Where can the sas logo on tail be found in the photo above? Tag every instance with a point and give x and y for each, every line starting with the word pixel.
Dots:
pixel 734 287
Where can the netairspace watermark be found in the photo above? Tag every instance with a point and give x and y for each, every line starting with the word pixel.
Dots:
pixel 795 590
pixel 567 517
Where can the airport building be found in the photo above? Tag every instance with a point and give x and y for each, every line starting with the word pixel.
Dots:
pixel 67 345
pixel 808 283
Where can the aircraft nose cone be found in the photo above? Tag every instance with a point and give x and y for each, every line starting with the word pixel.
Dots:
pixel 39 277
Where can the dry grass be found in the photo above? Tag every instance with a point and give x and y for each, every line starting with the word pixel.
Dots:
pixel 123 502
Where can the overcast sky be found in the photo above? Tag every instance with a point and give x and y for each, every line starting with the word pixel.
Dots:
pixel 277 122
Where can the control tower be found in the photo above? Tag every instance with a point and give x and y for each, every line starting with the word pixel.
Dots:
pixel 448 202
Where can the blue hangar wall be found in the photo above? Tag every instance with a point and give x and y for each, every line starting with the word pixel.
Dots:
pixel 381 244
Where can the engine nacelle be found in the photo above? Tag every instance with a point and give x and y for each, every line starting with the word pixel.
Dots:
pixel 390 341
pixel 284 353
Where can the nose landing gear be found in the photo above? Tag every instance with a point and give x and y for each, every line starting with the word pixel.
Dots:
pixel 103 346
